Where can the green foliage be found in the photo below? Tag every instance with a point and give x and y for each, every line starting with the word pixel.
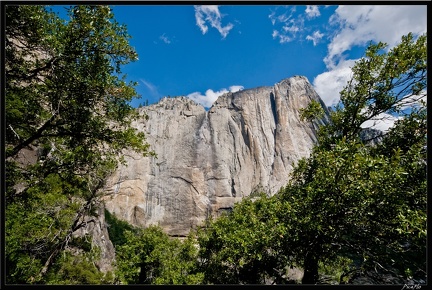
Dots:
pixel 150 256
pixel 245 245
pixel 365 205
pixel 66 97
pixel 335 271
pixel 77 269
pixel 35 226
pixel 382 82
pixel 313 111
pixel 117 229
pixel 368 203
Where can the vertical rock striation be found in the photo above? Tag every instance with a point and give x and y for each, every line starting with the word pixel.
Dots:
pixel 208 160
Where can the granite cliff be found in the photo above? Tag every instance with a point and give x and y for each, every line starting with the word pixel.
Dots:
pixel 207 160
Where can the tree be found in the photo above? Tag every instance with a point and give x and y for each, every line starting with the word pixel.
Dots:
pixel 149 256
pixel 67 104
pixel 367 202
pixel 383 85
pixel 244 246
pixel 78 269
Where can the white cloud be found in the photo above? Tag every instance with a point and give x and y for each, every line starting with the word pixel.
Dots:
pixel 152 88
pixel 282 18
pixel 272 17
pixel 385 121
pixel 287 26
pixel 330 83
pixel 282 37
pixel 209 14
pixel 234 89
pixel 292 28
pixel 312 11
pixel 315 37
pixel 381 122
pixel 211 96
pixel 357 25
pixel 413 101
pixel 165 39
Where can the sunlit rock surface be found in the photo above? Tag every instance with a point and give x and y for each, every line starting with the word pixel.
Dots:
pixel 208 160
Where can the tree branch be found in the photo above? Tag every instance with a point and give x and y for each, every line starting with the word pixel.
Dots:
pixel 32 138
pixel 33 73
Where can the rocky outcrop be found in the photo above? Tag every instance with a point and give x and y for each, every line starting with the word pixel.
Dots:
pixel 208 160
pixel 95 228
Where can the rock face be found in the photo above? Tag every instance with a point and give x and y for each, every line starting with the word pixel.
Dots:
pixel 208 160
pixel 96 229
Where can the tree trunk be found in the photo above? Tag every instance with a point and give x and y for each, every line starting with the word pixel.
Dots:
pixel 142 278
pixel 310 275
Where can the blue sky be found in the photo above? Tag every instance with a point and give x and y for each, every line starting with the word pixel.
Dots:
pixel 201 51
